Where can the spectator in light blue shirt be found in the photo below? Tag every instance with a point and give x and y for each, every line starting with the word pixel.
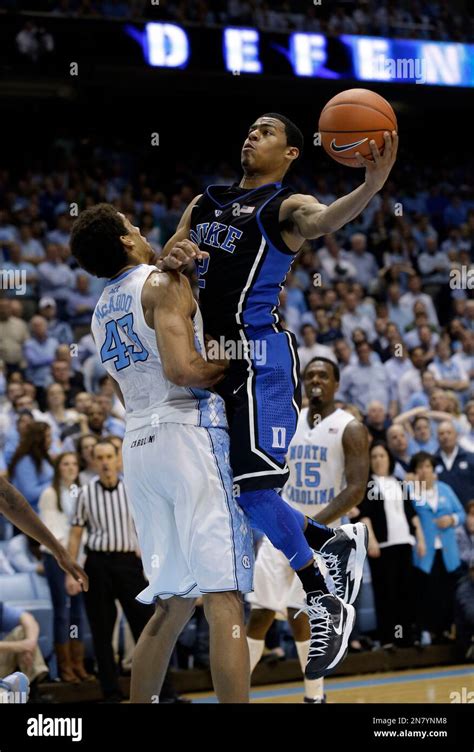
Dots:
pixel 397 313
pixel 96 284
pixel 448 373
pixel 32 250
pixel 60 330
pixel 39 351
pixel 363 261
pixel 31 469
pixel 395 367
pixel 353 318
pixel 422 439
pixel 422 397
pixel 62 233
pixel 8 232
pixel 434 264
pixel 112 424
pixel 55 278
pixel 364 382
pixel 12 438
pixel 81 303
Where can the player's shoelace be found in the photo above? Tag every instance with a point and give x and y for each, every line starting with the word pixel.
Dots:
pixel 333 566
pixel 319 623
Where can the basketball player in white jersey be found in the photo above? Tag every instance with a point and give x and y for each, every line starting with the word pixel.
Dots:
pixel 329 464
pixel 193 537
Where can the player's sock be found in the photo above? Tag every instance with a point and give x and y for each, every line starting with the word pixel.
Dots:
pixel 313 688
pixel 312 579
pixel 317 534
pixel 267 511
pixel 255 650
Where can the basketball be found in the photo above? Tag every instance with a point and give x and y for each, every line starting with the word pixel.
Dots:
pixel 350 120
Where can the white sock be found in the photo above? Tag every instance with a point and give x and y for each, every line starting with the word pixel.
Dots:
pixel 255 650
pixel 313 688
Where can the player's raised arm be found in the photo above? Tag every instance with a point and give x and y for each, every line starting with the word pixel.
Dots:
pixel 356 471
pixel 169 307
pixel 179 250
pixel 313 219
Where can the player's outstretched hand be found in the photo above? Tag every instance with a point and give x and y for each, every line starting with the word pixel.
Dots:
pixel 74 571
pixel 181 254
pixel 378 168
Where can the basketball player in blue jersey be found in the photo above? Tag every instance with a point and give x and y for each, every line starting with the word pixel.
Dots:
pixel 251 233
pixel 328 461
pixel 193 537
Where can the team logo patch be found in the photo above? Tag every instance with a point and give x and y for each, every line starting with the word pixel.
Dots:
pixel 246 562
pixel 278 437
pixel 218 212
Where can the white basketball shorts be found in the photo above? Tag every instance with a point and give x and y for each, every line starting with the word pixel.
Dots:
pixel 193 536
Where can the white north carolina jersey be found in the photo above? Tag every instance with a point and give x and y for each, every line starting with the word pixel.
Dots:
pixel 316 461
pixel 128 350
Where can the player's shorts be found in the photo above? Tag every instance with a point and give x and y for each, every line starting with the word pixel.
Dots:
pixel 276 586
pixel 263 400
pixel 193 536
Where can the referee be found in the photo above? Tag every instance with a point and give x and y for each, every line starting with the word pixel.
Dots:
pixel 112 564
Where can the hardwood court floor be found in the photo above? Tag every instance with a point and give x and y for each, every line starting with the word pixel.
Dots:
pixel 433 685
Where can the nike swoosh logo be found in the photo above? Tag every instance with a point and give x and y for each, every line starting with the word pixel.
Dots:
pixel 346 147
pixel 338 630
pixel 236 390
pixel 293 557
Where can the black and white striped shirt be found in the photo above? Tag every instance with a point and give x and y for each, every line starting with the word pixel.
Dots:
pixel 105 514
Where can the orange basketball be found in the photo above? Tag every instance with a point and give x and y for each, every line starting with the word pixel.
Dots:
pixel 350 120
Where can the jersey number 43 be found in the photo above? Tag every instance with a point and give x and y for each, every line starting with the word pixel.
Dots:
pixel 116 349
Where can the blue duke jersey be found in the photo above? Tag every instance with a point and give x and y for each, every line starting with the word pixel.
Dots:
pixel 240 282
pixel 128 351
pixel 316 461
pixel 239 286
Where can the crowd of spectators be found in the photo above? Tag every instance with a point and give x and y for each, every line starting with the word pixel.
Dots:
pixel 418 19
pixel 378 299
